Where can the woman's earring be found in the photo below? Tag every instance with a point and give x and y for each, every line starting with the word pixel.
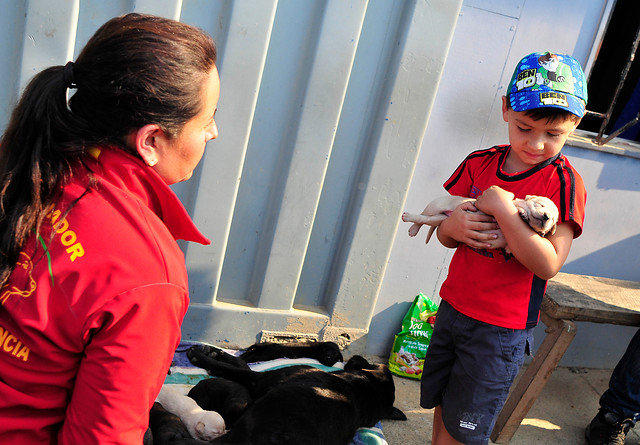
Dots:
pixel 152 162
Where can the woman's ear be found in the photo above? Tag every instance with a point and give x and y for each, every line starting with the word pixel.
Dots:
pixel 146 141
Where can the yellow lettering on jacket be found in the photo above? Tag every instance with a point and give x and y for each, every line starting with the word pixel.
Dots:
pixel 10 344
pixel 67 236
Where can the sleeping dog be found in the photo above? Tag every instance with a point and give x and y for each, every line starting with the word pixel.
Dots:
pixel 304 405
pixel 217 399
pixel 326 352
pixel 230 398
pixel 538 211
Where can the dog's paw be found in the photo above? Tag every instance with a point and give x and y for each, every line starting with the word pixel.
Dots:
pixel 414 229
pixel 211 351
pixel 197 355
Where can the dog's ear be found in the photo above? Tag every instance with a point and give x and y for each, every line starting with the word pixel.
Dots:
pixel 523 213
pixel 396 414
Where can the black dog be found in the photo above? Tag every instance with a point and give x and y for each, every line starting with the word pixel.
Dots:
pixel 327 352
pixel 227 398
pixel 304 405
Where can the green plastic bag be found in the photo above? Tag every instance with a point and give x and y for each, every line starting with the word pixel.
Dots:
pixel 410 344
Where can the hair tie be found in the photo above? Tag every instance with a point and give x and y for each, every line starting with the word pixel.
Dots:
pixel 67 75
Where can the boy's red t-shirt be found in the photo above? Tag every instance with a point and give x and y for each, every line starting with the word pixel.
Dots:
pixel 90 318
pixel 491 285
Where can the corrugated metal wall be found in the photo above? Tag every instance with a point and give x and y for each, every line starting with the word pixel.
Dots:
pixel 323 108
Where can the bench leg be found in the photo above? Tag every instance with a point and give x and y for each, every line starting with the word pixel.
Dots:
pixel 560 333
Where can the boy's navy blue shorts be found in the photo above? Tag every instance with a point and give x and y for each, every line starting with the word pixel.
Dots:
pixel 468 370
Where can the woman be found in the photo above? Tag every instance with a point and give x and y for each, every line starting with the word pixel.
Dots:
pixel 93 284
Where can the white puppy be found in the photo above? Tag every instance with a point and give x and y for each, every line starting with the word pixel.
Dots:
pixel 201 424
pixel 539 211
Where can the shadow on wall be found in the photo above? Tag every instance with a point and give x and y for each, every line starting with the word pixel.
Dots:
pixel 617 173
pixel 606 261
pixel 390 322
pixel 621 175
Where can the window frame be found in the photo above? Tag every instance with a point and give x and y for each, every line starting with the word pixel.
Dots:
pixel 599 141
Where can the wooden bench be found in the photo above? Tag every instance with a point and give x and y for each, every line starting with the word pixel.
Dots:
pixel 569 298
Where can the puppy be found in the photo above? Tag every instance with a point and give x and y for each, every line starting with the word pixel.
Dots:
pixel 538 211
pixel 201 424
pixel 302 404
pixel 229 399
pixel 166 428
pixel 327 353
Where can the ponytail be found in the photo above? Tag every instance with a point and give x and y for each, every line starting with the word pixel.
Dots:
pixel 137 69
pixel 36 154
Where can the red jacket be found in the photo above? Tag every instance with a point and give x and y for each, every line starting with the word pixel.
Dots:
pixel 90 318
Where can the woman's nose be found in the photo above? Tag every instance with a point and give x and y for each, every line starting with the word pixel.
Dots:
pixel 213 132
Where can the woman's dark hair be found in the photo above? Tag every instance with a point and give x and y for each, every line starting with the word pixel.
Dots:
pixel 136 70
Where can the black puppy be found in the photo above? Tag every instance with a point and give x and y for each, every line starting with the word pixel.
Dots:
pixel 229 399
pixel 326 352
pixel 302 404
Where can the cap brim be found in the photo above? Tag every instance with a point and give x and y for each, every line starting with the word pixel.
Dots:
pixel 542 98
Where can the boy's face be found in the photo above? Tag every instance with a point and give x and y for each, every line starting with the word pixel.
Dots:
pixel 533 141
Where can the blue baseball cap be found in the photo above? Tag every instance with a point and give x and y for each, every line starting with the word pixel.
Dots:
pixel 548 80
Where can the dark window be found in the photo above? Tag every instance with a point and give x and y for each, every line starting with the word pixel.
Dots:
pixel 613 84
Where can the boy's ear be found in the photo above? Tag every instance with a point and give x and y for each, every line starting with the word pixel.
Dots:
pixel 576 123
pixel 505 109
pixel 147 141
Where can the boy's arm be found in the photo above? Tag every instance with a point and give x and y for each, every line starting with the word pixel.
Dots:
pixel 542 256
pixel 466 225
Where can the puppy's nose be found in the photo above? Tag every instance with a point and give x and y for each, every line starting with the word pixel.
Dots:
pixel 545 217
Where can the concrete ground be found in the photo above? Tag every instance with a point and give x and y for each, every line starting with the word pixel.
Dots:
pixel 559 416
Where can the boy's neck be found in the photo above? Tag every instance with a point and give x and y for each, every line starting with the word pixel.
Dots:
pixel 512 165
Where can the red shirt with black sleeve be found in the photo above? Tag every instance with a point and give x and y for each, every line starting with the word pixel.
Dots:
pixel 488 284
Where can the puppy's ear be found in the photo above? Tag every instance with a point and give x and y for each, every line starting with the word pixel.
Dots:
pixel 523 213
pixel 396 414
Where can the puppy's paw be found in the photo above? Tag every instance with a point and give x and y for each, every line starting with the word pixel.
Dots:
pixel 197 356
pixel 211 351
pixel 414 229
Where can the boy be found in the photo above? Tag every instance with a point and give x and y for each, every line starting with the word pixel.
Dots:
pixel 491 299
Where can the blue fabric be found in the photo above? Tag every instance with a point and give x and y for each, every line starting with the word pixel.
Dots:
pixel 623 395
pixel 370 436
pixel 629 113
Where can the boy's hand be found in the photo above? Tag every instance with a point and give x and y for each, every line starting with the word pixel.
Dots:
pixel 496 201
pixel 467 225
